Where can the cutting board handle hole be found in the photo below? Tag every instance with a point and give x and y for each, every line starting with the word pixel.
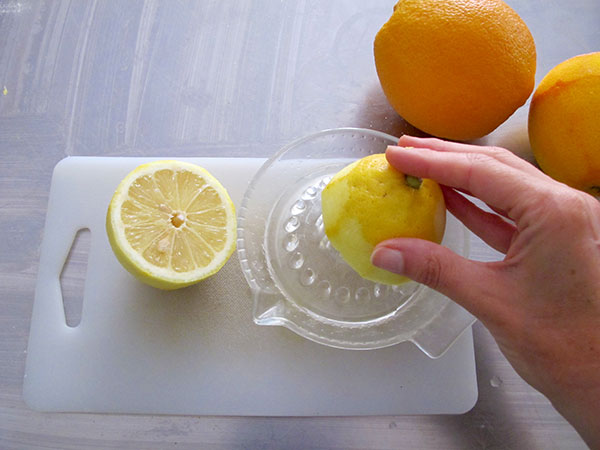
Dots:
pixel 72 277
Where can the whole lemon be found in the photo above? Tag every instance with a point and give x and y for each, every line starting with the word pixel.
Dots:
pixel 368 202
pixel 564 123
pixel 455 68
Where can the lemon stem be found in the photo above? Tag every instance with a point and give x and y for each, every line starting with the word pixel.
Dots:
pixel 413 182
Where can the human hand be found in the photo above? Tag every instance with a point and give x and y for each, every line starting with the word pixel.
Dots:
pixel 542 301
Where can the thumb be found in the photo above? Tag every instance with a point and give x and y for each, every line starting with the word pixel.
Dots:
pixel 466 282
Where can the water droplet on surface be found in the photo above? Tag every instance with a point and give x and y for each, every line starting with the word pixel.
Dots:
pixel 496 381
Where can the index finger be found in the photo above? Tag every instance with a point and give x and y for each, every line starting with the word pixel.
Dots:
pixel 496 183
pixel 499 153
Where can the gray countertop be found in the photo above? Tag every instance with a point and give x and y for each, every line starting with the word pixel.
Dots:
pixel 223 78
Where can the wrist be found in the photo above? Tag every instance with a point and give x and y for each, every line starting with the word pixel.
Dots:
pixel 581 408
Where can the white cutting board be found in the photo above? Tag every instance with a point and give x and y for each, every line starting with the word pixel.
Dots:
pixel 196 350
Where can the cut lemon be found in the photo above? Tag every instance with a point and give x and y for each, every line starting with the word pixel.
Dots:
pixel 171 224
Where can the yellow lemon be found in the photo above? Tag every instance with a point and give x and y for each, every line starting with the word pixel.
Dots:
pixel 368 202
pixel 564 123
pixel 455 68
pixel 171 224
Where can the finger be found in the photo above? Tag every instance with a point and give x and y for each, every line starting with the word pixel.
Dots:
pixel 470 194
pixel 499 212
pixel 501 154
pixel 443 270
pixel 497 184
pixel 493 229
pixel 464 191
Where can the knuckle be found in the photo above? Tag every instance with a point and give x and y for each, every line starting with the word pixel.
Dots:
pixel 505 156
pixel 430 272
pixel 500 152
pixel 585 209
pixel 564 200
pixel 567 206
pixel 477 158
pixel 475 161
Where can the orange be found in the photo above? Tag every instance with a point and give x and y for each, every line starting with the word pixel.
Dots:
pixel 455 69
pixel 564 123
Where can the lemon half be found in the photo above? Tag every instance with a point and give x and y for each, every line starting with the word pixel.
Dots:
pixel 171 224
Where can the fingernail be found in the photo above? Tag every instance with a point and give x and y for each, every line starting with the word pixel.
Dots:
pixel 388 259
